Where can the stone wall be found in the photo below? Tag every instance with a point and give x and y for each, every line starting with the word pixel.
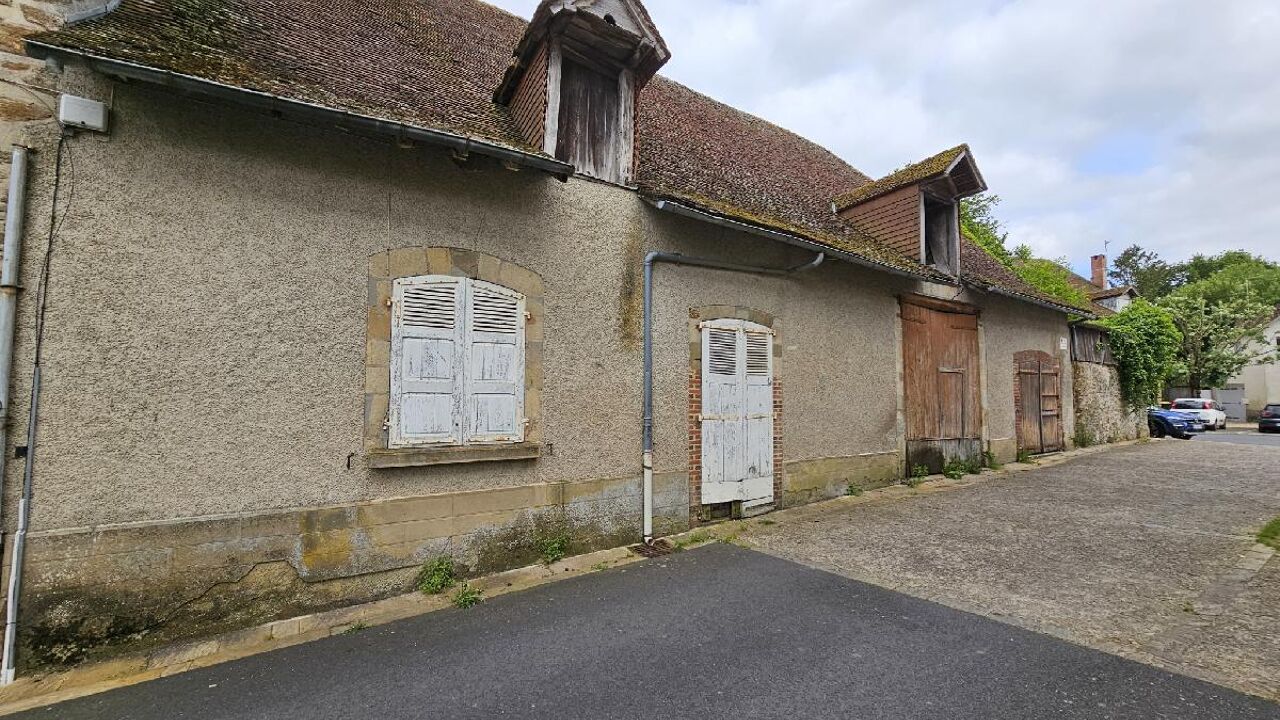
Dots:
pixel 91 593
pixel 1101 415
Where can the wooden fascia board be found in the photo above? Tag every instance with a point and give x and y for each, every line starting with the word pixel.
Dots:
pixel 932 303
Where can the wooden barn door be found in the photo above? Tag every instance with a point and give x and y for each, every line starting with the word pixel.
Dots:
pixel 1039 402
pixel 942 383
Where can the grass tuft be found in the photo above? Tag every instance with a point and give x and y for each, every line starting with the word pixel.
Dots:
pixel 467 597
pixel 1270 535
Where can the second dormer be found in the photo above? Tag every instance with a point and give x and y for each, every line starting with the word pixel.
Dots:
pixel 916 210
pixel 573 82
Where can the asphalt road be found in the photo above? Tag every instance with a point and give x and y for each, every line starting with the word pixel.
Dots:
pixel 718 632
pixel 1241 437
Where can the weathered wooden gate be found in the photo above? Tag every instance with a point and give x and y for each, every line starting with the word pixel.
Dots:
pixel 942 382
pixel 737 413
pixel 1038 399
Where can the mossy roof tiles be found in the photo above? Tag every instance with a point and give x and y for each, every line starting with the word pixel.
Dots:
pixel 436 64
pixel 912 174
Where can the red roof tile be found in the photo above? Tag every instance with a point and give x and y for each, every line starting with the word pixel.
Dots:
pixel 436 63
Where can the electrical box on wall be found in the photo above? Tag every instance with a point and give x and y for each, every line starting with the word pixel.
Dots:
pixel 83 113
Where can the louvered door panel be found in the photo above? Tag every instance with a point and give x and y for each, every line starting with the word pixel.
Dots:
pixel 737 413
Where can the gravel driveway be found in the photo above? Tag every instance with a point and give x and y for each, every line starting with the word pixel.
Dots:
pixel 1146 551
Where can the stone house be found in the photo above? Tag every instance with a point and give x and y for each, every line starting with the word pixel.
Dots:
pixel 311 293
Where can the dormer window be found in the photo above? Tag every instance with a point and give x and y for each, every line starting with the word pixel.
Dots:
pixel 915 211
pixel 573 82
pixel 941 234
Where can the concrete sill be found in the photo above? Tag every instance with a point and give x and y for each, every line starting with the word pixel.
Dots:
pixel 462 455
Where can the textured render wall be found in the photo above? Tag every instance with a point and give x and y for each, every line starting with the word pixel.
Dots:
pixel 233 252
pixel 1009 327
pixel 227 378
pixel 1101 415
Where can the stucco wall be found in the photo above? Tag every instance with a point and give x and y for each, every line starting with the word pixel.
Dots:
pixel 1009 327
pixel 231 251
pixel 205 357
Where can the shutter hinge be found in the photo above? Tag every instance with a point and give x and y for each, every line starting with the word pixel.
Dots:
pixel 526 422
pixel 528 315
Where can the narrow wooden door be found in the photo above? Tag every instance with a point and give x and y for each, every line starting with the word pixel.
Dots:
pixel 737 413
pixel 1039 402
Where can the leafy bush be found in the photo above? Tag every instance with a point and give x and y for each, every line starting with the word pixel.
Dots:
pixel 1145 343
pixel 437 576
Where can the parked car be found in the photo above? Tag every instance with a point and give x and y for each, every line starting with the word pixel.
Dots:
pixel 1172 423
pixel 1269 421
pixel 1208 410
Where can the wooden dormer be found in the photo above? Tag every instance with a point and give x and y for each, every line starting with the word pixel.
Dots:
pixel 574 79
pixel 916 210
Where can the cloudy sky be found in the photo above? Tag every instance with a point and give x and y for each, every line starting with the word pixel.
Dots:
pixel 1154 122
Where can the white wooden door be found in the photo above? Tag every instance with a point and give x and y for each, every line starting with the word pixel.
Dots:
pixel 737 413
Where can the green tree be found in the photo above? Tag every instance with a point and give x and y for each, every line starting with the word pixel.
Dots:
pixel 1250 276
pixel 1203 267
pixel 1218 338
pixel 1145 271
pixel 1145 342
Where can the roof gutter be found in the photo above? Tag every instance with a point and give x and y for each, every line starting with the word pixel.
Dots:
pixel 677 208
pixel 267 101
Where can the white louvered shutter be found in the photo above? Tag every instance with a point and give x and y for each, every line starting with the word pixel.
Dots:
pixel 737 413
pixel 759 414
pixel 723 462
pixel 427 333
pixel 493 405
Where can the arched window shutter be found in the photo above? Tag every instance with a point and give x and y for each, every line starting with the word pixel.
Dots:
pixel 427 332
pixel 494 397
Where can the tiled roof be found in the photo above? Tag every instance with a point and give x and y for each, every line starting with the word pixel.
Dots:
pixel 430 63
pixel 977 265
pixel 1111 292
pixel 436 64
pixel 909 175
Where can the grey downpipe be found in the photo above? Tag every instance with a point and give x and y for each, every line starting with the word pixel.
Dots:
pixel 15 221
pixel 650 260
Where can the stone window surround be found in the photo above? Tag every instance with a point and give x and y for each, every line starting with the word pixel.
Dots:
pixel 384 268
pixel 697 316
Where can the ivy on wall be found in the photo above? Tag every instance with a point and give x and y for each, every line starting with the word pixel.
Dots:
pixel 1145 342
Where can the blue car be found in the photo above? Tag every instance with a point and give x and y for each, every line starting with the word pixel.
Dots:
pixel 1168 423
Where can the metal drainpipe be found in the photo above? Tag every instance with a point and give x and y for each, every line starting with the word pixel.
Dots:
pixel 15 220
pixel 650 260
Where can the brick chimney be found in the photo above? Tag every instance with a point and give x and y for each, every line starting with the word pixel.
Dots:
pixel 1100 271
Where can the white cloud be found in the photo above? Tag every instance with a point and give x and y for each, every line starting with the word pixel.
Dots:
pixel 1154 122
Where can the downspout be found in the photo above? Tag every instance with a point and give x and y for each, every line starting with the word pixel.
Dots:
pixel 650 260
pixel 15 220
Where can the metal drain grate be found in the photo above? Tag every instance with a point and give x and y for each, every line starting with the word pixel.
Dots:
pixel 657 548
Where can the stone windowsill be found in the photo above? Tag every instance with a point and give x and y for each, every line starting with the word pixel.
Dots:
pixel 452 455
